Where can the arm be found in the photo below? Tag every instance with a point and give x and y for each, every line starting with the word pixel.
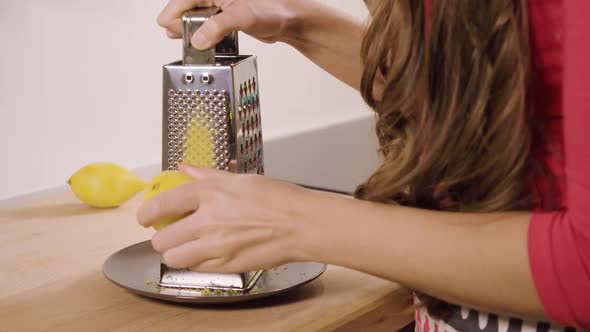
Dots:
pixel 475 260
pixel 324 34
pixel 329 38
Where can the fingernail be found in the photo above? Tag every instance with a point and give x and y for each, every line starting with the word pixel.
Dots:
pixel 199 41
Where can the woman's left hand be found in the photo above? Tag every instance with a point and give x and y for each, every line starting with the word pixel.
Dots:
pixel 236 223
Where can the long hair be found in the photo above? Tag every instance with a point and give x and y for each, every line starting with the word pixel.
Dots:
pixel 450 98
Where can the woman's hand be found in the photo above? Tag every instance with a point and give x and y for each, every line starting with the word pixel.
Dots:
pixel 324 34
pixel 240 222
pixel 265 20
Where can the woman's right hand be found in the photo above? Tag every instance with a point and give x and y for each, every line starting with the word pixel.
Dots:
pixel 325 34
pixel 266 20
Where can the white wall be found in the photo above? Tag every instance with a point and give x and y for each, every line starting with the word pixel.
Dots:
pixel 80 81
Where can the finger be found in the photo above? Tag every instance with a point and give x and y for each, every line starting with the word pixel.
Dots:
pixel 250 259
pixel 187 254
pixel 176 234
pixel 175 26
pixel 196 252
pixel 172 34
pixel 234 18
pixel 176 201
pixel 202 173
pixel 171 15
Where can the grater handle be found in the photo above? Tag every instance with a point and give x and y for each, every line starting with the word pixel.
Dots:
pixel 192 20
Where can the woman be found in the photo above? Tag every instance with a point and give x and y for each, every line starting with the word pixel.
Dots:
pixel 481 200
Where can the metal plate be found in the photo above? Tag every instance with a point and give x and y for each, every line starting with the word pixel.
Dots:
pixel 137 268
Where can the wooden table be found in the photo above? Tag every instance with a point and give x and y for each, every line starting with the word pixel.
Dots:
pixel 51 256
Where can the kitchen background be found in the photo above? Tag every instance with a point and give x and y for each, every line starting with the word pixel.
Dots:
pixel 80 81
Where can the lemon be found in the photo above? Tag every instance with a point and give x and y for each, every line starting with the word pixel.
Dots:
pixel 105 185
pixel 162 183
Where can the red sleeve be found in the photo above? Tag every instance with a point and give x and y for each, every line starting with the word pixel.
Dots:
pixel 559 243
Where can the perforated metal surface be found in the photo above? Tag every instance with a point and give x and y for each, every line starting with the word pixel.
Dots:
pixel 198 128
pixel 250 131
pixel 217 123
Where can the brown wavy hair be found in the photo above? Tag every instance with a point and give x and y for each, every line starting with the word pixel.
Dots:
pixel 450 99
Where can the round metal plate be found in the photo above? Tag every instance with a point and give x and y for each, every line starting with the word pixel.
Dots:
pixel 137 269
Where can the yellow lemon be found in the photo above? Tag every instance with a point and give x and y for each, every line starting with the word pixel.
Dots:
pixel 105 185
pixel 162 183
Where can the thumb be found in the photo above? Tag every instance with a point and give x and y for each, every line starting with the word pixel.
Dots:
pixel 219 26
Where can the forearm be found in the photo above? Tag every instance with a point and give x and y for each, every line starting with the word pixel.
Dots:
pixel 476 260
pixel 328 37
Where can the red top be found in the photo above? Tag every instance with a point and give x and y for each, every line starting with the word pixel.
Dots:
pixel 559 242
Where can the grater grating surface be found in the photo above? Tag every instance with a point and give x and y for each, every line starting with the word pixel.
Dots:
pixel 250 135
pixel 198 129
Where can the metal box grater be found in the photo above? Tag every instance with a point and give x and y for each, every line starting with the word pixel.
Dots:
pixel 211 118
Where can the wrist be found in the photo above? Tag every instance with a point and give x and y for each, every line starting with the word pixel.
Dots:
pixel 316 235
pixel 298 21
